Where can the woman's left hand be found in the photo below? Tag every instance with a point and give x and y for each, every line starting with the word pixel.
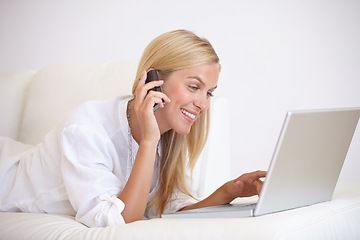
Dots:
pixel 247 185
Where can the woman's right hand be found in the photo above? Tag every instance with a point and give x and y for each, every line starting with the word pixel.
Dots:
pixel 143 106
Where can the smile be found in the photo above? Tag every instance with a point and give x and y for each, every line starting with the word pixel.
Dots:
pixel 190 115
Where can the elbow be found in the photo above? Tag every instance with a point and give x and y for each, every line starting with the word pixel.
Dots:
pixel 130 218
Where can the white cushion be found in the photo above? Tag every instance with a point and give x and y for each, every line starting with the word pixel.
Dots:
pixel 55 90
pixel 336 219
pixel 13 88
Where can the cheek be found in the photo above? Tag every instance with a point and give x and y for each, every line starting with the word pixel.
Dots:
pixel 178 95
pixel 206 107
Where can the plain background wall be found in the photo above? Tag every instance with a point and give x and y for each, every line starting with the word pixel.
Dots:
pixel 275 55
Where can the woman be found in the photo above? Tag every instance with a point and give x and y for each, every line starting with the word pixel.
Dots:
pixel 112 162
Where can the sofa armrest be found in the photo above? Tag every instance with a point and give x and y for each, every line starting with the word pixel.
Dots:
pixel 13 90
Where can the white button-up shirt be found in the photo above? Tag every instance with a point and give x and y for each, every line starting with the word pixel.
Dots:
pixel 79 169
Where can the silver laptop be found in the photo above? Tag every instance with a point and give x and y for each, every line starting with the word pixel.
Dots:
pixel 305 166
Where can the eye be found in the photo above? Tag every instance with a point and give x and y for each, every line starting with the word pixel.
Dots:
pixel 193 87
pixel 210 94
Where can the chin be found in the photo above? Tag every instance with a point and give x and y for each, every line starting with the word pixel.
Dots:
pixel 183 131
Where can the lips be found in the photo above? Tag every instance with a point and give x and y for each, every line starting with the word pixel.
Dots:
pixel 188 114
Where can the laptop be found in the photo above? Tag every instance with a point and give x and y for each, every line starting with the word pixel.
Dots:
pixel 305 167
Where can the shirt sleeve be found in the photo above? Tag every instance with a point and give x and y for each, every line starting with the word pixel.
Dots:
pixel 87 170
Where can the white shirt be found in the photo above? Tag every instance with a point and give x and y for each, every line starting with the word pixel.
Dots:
pixel 79 169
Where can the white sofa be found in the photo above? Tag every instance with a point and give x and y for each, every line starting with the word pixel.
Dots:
pixel 32 102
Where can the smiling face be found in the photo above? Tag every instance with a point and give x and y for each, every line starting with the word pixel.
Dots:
pixel 190 91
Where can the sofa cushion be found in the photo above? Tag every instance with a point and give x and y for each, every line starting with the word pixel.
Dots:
pixel 336 219
pixel 13 88
pixel 56 89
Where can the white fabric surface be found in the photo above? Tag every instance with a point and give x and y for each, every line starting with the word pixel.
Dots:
pixel 57 89
pixel 336 219
pixel 13 88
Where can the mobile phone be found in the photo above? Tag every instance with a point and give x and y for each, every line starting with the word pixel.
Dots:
pixel 153 75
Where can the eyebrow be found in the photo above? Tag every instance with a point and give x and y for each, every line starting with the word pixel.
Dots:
pixel 201 81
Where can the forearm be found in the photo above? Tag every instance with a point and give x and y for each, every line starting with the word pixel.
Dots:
pixel 219 197
pixel 136 191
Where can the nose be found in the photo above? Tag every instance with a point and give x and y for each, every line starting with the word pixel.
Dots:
pixel 202 103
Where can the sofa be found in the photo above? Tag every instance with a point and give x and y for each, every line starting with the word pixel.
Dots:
pixel 31 104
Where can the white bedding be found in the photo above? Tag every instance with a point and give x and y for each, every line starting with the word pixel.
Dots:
pixel 336 219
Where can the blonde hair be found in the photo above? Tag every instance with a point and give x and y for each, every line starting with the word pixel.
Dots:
pixel 172 51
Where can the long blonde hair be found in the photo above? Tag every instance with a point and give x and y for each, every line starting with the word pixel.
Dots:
pixel 172 51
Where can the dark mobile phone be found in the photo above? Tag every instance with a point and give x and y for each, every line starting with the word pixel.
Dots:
pixel 153 75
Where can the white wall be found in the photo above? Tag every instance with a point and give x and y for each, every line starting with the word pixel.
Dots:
pixel 275 55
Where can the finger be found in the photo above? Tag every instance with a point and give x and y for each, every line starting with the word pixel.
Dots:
pixel 142 78
pixel 261 173
pixel 141 81
pixel 258 174
pixel 160 102
pixel 258 185
pixel 155 101
pixel 151 99
pixel 153 84
pixel 160 95
pixel 143 89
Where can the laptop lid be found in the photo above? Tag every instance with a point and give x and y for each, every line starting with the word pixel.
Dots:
pixel 308 158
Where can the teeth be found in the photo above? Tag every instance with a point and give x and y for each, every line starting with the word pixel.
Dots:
pixel 188 114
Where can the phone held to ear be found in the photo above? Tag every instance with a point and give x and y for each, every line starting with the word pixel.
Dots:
pixel 153 75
